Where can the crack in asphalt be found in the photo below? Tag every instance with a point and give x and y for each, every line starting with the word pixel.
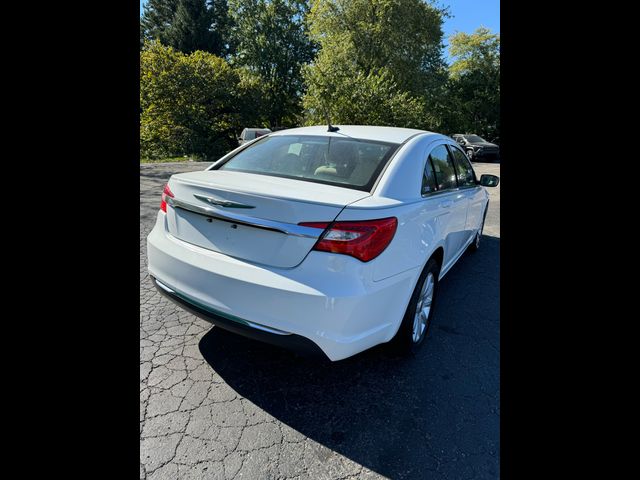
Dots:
pixel 217 406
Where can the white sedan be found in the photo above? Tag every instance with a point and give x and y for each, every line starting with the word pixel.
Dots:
pixel 328 240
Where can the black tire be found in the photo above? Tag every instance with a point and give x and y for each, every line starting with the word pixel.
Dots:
pixel 475 245
pixel 404 343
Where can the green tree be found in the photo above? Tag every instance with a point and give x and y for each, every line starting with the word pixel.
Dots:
pixel 192 104
pixel 271 43
pixel 222 27
pixel 191 27
pixel 188 25
pixel 375 56
pixel 353 97
pixel 474 85
pixel 157 18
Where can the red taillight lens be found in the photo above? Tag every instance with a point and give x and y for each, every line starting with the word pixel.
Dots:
pixel 165 193
pixel 364 240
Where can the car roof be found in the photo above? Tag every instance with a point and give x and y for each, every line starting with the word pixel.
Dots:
pixel 362 132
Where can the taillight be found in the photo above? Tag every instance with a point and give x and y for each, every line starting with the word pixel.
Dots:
pixel 364 240
pixel 165 193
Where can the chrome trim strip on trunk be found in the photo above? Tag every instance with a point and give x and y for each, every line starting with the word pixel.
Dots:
pixel 280 227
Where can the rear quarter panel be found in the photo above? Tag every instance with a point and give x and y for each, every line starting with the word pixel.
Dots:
pixel 417 236
pixel 398 194
pixel 421 224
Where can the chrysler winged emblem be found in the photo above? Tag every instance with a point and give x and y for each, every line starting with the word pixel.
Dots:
pixel 222 203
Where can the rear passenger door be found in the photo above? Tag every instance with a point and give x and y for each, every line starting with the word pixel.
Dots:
pixel 473 192
pixel 449 202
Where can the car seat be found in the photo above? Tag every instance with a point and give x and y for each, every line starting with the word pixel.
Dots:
pixel 343 159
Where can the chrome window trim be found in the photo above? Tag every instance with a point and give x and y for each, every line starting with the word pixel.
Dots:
pixel 443 192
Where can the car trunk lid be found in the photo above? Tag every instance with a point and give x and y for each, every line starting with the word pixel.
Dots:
pixel 253 217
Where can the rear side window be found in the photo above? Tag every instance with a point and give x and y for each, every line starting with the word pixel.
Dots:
pixel 443 167
pixel 466 177
pixel 344 162
pixel 428 179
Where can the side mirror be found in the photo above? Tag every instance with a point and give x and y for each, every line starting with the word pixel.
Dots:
pixel 489 180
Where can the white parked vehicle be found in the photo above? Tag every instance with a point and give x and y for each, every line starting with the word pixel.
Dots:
pixel 249 134
pixel 320 240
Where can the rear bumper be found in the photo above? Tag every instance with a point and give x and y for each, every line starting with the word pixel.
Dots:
pixel 329 300
pixel 293 342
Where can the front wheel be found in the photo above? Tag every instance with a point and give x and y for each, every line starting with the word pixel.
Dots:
pixel 417 319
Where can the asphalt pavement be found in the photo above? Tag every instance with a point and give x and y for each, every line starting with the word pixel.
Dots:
pixel 214 405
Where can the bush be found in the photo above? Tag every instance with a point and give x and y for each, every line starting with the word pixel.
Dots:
pixel 192 104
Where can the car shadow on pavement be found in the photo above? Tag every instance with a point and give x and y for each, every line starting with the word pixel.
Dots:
pixel 435 414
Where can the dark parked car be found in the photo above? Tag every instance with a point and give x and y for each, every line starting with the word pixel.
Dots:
pixel 477 148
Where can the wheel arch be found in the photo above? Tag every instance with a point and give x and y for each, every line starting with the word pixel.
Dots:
pixel 438 254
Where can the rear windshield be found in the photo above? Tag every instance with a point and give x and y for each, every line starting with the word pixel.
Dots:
pixel 345 162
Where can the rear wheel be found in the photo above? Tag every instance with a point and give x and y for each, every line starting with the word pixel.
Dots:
pixel 417 319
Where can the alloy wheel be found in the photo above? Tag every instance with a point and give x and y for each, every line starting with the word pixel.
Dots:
pixel 423 308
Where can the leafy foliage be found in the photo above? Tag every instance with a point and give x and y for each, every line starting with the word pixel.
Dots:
pixel 157 20
pixel 474 87
pixel 377 61
pixel 272 45
pixel 402 36
pixel 353 97
pixel 192 104
pixel 188 25
pixel 222 26
pixel 212 67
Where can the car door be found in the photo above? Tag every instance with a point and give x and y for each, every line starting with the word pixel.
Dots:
pixel 449 201
pixel 474 193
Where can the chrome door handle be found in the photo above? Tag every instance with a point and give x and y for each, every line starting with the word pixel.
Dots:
pixel 446 204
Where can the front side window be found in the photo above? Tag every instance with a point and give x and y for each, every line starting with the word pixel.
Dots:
pixel 344 162
pixel 466 177
pixel 443 167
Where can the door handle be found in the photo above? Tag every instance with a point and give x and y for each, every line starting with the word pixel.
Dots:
pixel 446 204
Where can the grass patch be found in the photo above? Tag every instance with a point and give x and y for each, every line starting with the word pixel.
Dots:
pixel 169 160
